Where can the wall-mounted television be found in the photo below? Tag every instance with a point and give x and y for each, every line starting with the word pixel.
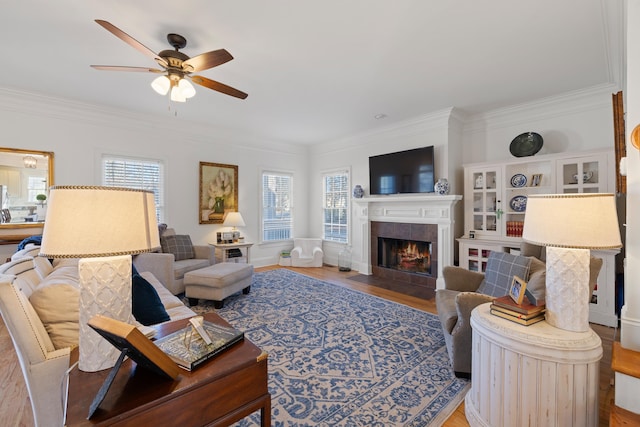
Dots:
pixel 410 171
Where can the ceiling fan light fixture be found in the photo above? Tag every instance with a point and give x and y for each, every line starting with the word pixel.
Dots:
pixel 186 88
pixel 161 85
pixel 176 95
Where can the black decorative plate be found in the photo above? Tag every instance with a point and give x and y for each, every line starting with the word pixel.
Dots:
pixel 526 144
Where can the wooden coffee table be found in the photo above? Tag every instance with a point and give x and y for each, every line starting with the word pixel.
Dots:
pixel 222 391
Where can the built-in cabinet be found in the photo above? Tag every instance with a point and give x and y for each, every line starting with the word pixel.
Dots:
pixel 495 198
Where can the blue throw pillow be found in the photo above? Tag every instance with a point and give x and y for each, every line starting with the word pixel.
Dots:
pixel 501 267
pixel 145 302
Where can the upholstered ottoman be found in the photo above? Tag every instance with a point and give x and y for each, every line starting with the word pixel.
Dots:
pixel 217 282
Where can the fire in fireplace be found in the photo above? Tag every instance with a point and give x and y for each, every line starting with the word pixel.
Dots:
pixel 405 255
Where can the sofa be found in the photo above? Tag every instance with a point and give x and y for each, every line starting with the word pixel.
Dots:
pixel 177 257
pixel 465 290
pixel 39 302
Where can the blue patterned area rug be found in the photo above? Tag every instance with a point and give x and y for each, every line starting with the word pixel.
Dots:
pixel 339 357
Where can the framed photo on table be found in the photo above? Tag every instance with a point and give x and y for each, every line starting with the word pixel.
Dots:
pixel 517 289
pixel 218 192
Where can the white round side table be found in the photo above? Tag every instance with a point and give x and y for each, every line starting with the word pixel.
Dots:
pixel 534 375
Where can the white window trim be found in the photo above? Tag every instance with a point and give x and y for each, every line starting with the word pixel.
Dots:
pixel 261 206
pixel 323 174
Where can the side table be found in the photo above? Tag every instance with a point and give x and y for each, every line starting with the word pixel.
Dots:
pixel 222 391
pixel 225 247
pixel 534 375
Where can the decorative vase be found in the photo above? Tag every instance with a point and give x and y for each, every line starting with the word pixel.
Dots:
pixel 218 206
pixel 442 186
pixel 344 259
pixel 358 191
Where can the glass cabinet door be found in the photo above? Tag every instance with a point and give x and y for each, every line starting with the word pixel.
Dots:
pixel 582 175
pixel 485 187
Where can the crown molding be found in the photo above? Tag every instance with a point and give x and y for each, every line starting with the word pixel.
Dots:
pixel 41 105
pixel 578 101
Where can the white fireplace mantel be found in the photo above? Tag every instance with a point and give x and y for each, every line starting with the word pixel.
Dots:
pixel 415 209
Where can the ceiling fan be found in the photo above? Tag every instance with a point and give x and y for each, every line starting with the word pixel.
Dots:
pixel 177 67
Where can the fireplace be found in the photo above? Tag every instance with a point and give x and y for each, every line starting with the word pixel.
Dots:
pixel 428 219
pixel 406 254
pixel 411 256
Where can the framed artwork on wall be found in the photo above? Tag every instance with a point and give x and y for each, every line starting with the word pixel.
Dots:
pixel 218 192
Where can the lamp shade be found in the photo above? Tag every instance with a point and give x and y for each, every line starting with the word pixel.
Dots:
pixel 584 221
pixel 233 219
pixel 161 85
pixel 86 221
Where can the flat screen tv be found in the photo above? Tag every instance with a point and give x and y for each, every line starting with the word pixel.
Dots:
pixel 409 171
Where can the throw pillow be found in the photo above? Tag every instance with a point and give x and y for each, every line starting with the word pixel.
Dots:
pixel 57 303
pixel 146 305
pixel 536 283
pixel 501 267
pixel 178 245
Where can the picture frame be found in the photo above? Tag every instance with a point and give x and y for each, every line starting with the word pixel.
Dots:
pixel 218 192
pixel 536 179
pixel 517 289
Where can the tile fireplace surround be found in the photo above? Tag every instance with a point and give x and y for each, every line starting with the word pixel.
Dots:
pixel 409 210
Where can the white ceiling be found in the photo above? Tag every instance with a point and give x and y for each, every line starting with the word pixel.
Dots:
pixel 317 70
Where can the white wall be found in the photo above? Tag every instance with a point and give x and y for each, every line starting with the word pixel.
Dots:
pixel 354 152
pixel 577 121
pixel 572 122
pixel 79 135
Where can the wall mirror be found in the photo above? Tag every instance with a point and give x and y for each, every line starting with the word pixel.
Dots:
pixel 25 177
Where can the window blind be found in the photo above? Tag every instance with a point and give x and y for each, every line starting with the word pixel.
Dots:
pixel 143 174
pixel 277 209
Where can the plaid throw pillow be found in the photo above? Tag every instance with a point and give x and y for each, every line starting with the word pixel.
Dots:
pixel 501 267
pixel 178 245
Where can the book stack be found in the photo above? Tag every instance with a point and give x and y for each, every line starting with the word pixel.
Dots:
pixel 524 314
pixel 514 228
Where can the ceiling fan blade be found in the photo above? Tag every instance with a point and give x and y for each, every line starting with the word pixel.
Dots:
pixel 130 40
pixel 217 86
pixel 207 60
pixel 121 68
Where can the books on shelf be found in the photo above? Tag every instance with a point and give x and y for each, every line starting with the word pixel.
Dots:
pixel 189 350
pixel 234 253
pixel 524 313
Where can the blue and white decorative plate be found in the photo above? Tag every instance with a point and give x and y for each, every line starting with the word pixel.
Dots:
pixel 518 203
pixel 518 180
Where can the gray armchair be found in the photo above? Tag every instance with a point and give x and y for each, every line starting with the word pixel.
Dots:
pixel 465 290
pixel 178 257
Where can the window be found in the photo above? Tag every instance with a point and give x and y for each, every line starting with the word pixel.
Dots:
pixel 143 174
pixel 277 215
pixel 36 185
pixel 336 206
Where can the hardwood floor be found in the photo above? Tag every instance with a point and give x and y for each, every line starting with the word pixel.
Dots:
pixel 15 410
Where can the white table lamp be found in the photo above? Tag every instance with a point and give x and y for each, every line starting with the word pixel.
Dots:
pixel 570 225
pixel 234 220
pixel 103 226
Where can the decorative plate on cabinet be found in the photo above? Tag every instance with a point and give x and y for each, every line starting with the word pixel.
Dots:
pixel 526 144
pixel 518 203
pixel 518 180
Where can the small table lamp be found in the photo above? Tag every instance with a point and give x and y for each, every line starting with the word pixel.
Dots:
pixel 234 219
pixel 570 225
pixel 104 226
